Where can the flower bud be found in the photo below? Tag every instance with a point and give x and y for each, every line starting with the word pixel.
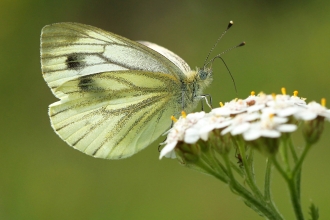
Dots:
pixel 313 129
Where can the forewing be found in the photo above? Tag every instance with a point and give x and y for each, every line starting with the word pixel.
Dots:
pixel 70 50
pixel 175 59
pixel 115 114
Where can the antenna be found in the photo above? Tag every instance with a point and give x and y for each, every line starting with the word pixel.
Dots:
pixel 219 55
pixel 216 43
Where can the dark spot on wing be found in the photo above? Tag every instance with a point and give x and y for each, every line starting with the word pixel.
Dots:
pixel 85 83
pixel 73 61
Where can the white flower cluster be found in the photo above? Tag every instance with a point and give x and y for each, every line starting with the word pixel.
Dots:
pixel 254 117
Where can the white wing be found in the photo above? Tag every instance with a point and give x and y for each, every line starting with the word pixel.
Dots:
pixel 178 61
pixel 115 114
pixel 71 49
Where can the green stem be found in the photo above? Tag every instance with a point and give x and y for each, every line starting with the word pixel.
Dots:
pixel 257 204
pixel 295 198
pixel 214 165
pixel 301 159
pixel 296 174
pixel 267 192
pixel 267 179
pixel 297 182
pixel 279 168
pixel 206 167
pixel 293 152
pixel 238 170
pixel 212 155
pixel 284 153
pixel 248 171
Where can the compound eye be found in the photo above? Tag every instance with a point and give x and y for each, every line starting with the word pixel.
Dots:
pixel 203 74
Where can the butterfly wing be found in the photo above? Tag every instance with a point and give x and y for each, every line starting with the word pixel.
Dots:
pixel 72 49
pixel 116 95
pixel 115 114
pixel 178 61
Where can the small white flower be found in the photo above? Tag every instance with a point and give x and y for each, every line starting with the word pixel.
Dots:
pixel 284 106
pixel 168 151
pixel 178 133
pixel 254 117
pixel 257 130
pixel 240 123
pixel 256 107
pixel 269 120
pixel 295 100
pixel 287 128
pixel 194 117
pixel 235 106
pixel 313 109
pixel 175 134
pixel 210 122
pixel 269 126
pixel 191 135
pixel 223 111
pixel 257 103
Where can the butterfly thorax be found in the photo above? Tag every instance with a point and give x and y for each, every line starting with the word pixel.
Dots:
pixel 193 86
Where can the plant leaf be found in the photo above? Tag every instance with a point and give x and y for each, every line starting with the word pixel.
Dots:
pixel 314 212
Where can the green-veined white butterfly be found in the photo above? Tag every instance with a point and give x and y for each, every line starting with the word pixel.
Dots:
pixel 116 95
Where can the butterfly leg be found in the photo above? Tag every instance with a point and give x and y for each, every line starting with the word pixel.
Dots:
pixel 208 102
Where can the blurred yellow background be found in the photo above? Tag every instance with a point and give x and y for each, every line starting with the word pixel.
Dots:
pixel 41 177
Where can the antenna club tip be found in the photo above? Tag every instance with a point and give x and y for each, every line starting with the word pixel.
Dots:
pixel 230 24
pixel 242 44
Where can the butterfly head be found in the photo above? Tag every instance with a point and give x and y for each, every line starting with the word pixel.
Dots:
pixel 204 73
pixel 203 78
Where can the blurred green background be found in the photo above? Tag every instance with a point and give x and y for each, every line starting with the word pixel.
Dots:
pixel 43 178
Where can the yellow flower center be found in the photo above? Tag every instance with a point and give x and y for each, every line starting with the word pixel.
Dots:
pixel 183 113
pixel 274 96
pixel 323 102
pixel 174 119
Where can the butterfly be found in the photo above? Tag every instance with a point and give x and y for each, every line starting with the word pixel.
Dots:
pixel 116 96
